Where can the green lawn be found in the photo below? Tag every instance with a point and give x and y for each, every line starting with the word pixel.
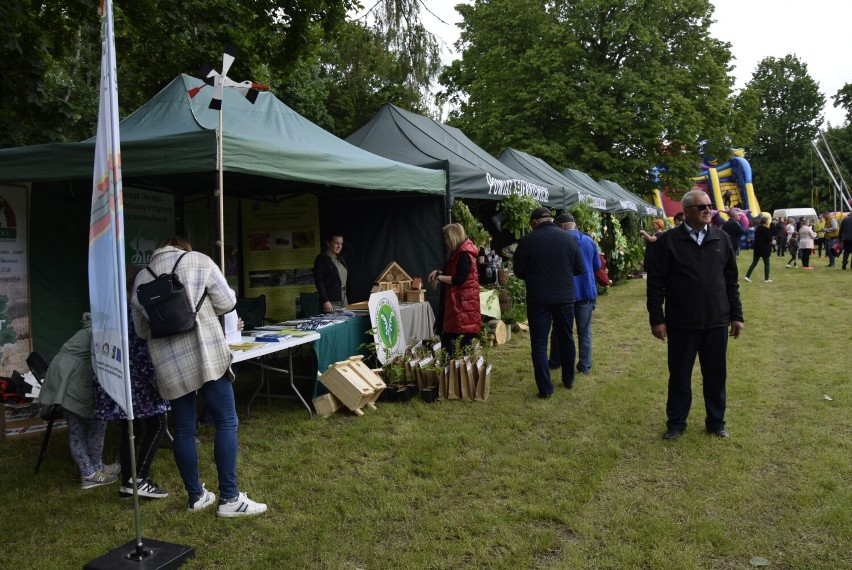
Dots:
pixel 582 480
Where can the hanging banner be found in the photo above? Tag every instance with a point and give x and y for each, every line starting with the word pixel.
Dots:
pixel 14 292
pixel 107 292
pixel 149 219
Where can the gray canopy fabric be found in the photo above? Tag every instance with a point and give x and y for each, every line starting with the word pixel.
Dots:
pixel 175 133
pixel 630 200
pixel 473 173
pixel 533 166
pixel 599 197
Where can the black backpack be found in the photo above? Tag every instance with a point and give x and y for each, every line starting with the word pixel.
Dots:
pixel 167 304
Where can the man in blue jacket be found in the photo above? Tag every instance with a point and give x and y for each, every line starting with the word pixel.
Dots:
pixel 547 259
pixel 694 272
pixel 585 297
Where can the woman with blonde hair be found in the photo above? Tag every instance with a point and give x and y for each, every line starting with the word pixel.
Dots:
pixel 458 309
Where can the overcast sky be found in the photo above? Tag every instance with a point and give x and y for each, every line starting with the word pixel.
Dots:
pixel 817 31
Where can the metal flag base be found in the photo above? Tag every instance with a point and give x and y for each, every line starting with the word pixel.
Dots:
pixel 153 555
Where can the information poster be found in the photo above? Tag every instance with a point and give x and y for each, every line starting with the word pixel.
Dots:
pixel 280 241
pixel 14 288
pixel 149 219
pixel 202 220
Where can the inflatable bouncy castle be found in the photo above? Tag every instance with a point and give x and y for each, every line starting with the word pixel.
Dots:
pixel 730 188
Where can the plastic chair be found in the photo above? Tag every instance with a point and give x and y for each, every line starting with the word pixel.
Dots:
pixel 38 366
pixel 310 304
pixel 252 310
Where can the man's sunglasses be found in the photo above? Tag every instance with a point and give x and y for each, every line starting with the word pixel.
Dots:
pixel 700 206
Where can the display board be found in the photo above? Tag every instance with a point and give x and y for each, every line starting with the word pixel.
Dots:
pixel 14 280
pixel 280 241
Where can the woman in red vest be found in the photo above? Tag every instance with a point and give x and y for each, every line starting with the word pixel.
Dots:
pixel 458 309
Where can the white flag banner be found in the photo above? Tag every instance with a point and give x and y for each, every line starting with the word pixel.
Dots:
pixel 107 293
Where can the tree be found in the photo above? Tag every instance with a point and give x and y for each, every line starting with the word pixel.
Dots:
pixel 843 98
pixel 51 59
pixel 790 115
pixel 606 86
pixel 354 74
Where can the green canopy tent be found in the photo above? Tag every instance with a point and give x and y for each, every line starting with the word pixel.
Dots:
pixel 634 202
pixel 472 173
pixel 593 195
pixel 269 151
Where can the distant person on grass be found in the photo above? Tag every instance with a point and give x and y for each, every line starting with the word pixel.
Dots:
pixel 585 297
pixel 547 259
pixel 846 238
pixel 762 249
pixel 693 273
pixel 807 237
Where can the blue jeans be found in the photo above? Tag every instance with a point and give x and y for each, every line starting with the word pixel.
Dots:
pixel 219 399
pixel 829 250
pixel 583 316
pixel 539 317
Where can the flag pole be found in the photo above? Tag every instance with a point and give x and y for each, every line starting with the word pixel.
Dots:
pixel 220 242
pixel 108 299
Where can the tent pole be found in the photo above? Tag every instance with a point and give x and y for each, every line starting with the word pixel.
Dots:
pixel 220 230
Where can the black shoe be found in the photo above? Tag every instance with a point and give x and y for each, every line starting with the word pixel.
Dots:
pixel 673 434
pixel 721 432
pixel 544 396
pixel 568 385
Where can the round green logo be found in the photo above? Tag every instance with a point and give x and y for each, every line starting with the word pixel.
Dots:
pixel 388 325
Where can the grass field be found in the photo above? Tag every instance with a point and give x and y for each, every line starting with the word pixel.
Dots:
pixel 582 480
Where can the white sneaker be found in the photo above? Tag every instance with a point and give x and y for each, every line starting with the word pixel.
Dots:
pixel 147 489
pixel 97 479
pixel 747 279
pixel 788 266
pixel 769 281
pixel 240 506
pixel 205 500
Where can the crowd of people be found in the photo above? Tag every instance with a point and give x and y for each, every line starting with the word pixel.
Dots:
pixel 167 374
pixel 692 300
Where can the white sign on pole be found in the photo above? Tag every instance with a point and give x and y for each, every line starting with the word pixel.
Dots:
pixel 387 325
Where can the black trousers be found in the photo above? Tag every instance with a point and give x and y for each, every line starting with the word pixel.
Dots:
pixel 155 427
pixel 711 347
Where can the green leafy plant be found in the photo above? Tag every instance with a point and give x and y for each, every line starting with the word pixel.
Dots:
pixel 588 220
pixel 517 289
pixel 472 227
pixel 517 209
pixel 622 246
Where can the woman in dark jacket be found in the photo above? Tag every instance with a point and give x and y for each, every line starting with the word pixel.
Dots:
pixel 458 308
pixel 762 249
pixel 331 275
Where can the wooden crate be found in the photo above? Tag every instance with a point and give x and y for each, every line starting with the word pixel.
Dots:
pixel 347 386
pixel 415 296
pixel 368 375
pixel 326 404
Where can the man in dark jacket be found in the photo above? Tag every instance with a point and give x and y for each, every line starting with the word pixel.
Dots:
pixel 694 273
pixel 846 238
pixel 734 230
pixel 548 258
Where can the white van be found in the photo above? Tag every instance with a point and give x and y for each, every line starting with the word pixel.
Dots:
pixel 796 213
